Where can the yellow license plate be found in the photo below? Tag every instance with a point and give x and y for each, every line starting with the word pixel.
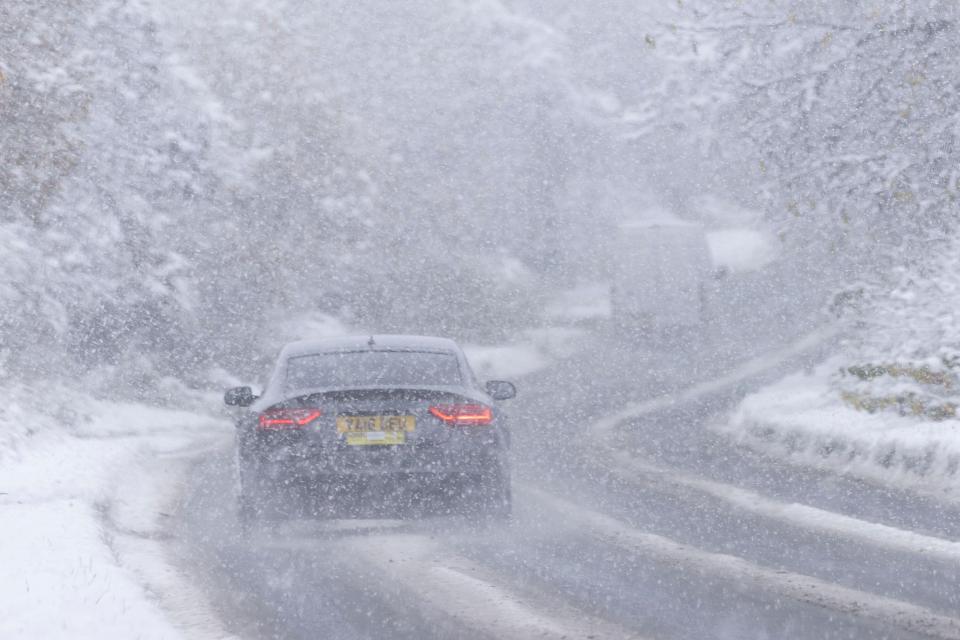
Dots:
pixel 372 430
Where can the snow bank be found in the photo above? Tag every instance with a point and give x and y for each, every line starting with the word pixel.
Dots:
pixel 802 419
pixel 303 326
pixel 740 250
pixel 537 349
pixel 586 302
pixel 84 486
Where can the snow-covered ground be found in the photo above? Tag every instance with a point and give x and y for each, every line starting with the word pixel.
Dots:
pixel 85 487
pixel 740 250
pixel 590 301
pixel 532 351
pixel 802 419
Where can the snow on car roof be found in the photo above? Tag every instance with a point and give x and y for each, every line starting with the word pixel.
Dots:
pixel 380 342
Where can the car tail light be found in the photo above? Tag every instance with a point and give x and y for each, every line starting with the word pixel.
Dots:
pixel 281 419
pixel 463 414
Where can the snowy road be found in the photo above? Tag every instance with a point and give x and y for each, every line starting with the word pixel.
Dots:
pixel 656 529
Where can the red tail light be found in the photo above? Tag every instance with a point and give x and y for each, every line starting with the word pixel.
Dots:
pixel 280 419
pixel 463 414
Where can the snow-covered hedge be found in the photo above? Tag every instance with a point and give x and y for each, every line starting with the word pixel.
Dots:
pixel 903 352
pixel 885 407
pixel 803 419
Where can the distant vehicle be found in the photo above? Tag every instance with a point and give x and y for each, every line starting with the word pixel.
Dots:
pixel 343 413
pixel 660 274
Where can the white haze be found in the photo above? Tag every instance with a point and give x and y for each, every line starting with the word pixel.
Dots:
pixel 186 186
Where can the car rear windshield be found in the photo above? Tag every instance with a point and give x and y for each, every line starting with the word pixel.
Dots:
pixel 372 368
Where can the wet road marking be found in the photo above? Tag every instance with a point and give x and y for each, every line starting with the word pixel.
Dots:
pixel 749 369
pixel 793 513
pixel 888 611
pixel 454 589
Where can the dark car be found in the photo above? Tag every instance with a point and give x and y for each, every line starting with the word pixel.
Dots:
pixel 342 414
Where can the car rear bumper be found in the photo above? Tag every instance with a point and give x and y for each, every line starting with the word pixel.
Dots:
pixel 380 462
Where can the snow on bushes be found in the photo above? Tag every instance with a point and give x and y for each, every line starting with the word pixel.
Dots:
pixel 886 406
pixel 803 419
pixel 903 356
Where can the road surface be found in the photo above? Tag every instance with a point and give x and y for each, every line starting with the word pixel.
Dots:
pixel 647 526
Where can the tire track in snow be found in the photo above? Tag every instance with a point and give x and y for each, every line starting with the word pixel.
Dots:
pixel 749 369
pixel 799 587
pixel 631 469
pixel 463 599
pixel 637 471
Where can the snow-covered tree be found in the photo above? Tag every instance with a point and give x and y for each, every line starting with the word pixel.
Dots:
pixel 841 116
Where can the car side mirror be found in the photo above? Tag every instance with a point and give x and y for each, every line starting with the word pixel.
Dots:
pixel 501 389
pixel 239 397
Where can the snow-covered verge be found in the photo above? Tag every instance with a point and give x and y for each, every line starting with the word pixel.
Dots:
pixel 886 406
pixel 804 419
pixel 532 351
pixel 583 303
pixel 85 488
